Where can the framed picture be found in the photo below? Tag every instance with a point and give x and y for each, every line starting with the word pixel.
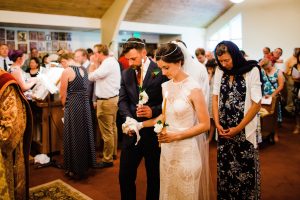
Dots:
pixel 69 36
pixel 32 45
pixel 54 45
pixel 11 45
pixel 49 46
pixel 2 33
pixel 62 45
pixel 22 36
pixel 41 46
pixel 32 35
pixel 62 36
pixel 41 36
pixel 69 46
pixel 10 34
pixel 22 47
pixel 54 36
pixel 48 37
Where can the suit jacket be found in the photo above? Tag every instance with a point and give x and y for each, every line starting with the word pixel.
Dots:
pixel 90 89
pixel 129 96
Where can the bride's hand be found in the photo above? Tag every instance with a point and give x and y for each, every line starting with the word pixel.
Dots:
pixel 167 137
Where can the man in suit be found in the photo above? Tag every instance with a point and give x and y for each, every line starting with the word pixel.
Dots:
pixel 5 62
pixel 147 147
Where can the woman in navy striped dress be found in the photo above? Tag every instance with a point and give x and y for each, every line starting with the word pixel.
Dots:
pixel 78 138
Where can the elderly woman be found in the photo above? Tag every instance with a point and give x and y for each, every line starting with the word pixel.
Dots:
pixel 236 101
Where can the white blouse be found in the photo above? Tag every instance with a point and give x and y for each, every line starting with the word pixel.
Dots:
pixel 253 92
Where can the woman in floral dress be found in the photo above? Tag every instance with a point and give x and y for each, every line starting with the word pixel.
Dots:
pixel 236 101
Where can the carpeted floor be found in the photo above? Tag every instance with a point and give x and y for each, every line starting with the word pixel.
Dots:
pixel 280 171
pixel 56 190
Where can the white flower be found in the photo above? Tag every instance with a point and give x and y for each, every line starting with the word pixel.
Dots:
pixel 158 127
pixel 143 97
pixel 132 125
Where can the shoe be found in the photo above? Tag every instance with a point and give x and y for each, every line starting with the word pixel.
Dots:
pixel 115 157
pixel 104 165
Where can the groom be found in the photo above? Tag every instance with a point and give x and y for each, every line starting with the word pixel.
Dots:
pixel 147 147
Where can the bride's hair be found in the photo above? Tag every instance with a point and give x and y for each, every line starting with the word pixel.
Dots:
pixel 170 53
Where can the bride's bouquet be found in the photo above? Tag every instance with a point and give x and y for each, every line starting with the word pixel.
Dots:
pixel 159 126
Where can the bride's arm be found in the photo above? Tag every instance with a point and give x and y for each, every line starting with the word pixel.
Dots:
pixel 152 122
pixel 198 101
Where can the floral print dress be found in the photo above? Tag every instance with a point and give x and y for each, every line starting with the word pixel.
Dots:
pixel 269 87
pixel 238 166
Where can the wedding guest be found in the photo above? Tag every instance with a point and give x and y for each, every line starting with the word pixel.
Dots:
pixel 17 57
pixel 15 139
pixel 66 59
pixel 147 148
pixel 184 171
pixel 209 55
pixel 266 52
pixel 45 61
pixel 105 72
pixel 273 83
pixel 5 62
pixel 34 67
pixel 78 136
pixel 290 107
pixel 90 52
pixel 34 53
pixel 200 54
pixel 236 101
pixel 211 68
pixel 296 66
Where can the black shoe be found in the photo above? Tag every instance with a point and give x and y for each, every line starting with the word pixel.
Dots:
pixel 104 165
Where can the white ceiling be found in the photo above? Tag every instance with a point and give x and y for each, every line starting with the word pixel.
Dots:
pixel 192 13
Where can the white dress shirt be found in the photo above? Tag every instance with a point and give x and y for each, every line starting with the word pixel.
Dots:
pixel 253 92
pixel 8 62
pixel 107 78
pixel 86 64
pixel 145 67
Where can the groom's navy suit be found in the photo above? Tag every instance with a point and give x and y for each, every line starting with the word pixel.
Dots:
pixel 148 146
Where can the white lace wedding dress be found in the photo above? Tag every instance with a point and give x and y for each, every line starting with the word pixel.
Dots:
pixel 181 162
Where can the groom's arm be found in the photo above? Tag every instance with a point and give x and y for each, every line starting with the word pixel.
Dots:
pixel 124 109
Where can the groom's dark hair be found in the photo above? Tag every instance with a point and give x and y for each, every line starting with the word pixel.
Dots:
pixel 133 43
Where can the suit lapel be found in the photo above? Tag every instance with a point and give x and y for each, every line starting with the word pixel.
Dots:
pixel 148 75
pixel 133 84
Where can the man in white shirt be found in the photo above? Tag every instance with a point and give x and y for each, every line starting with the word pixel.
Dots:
pixel 200 54
pixel 105 71
pixel 4 60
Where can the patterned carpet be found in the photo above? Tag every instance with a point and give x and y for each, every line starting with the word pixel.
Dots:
pixel 56 189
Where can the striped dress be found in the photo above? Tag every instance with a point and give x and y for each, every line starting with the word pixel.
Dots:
pixel 78 137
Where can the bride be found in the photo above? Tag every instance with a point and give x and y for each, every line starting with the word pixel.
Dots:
pixel 184 148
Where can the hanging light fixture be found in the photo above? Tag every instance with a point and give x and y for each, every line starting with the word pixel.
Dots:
pixel 236 1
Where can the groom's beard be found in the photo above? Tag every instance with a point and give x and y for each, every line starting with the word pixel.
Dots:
pixel 135 67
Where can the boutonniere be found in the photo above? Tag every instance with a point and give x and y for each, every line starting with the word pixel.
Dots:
pixel 154 73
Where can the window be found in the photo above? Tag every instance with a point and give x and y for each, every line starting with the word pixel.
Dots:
pixel 231 31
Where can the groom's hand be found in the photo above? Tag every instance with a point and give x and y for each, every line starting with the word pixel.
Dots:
pixel 144 111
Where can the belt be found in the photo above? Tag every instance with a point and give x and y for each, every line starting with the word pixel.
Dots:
pixel 106 98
